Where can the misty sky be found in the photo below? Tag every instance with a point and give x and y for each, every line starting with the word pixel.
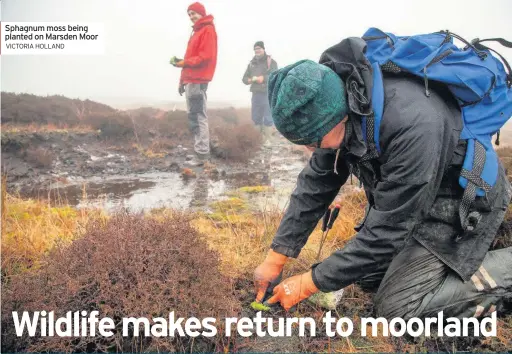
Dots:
pixel 141 36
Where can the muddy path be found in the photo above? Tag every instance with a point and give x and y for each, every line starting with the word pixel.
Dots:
pixel 83 170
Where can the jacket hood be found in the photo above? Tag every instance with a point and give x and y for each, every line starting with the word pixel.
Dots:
pixel 348 60
pixel 203 21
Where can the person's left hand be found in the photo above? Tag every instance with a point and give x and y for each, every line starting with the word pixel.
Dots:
pixel 293 290
pixel 181 89
pixel 259 79
pixel 180 64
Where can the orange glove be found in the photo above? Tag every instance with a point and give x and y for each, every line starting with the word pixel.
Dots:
pixel 267 272
pixel 293 290
pixel 180 64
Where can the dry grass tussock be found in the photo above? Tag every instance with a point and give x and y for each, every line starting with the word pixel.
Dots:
pixel 242 236
pixel 31 228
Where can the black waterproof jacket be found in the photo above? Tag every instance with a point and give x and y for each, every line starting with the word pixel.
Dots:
pixel 259 66
pixel 412 187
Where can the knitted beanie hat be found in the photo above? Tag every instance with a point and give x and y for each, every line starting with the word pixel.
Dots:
pixel 259 44
pixel 197 7
pixel 307 101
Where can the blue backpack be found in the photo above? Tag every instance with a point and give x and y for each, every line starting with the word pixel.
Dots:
pixel 477 80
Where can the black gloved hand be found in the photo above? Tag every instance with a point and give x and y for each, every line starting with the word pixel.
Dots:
pixel 181 89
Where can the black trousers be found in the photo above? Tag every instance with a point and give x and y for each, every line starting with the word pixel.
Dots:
pixel 418 284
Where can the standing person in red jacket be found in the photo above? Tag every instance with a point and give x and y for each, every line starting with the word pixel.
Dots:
pixel 198 68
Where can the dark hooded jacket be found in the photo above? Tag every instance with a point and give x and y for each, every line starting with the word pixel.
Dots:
pixel 412 186
pixel 259 66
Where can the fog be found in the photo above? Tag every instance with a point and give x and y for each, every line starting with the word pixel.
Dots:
pixel 141 36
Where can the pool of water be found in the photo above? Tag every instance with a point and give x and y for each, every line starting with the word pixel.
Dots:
pixel 276 168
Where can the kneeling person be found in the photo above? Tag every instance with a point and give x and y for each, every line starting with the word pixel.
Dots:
pixel 407 245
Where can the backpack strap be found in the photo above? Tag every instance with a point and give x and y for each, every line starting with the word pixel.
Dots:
pixel 477 43
pixel 470 175
pixel 370 126
pixel 269 61
pixel 371 123
pixel 501 41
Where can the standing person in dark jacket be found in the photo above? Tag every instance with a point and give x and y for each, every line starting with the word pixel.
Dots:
pixel 198 70
pixel 410 244
pixel 256 75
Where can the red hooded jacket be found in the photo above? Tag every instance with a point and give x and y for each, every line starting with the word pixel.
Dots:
pixel 201 56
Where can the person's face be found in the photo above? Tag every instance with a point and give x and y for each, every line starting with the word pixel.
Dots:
pixel 258 51
pixel 331 140
pixel 194 16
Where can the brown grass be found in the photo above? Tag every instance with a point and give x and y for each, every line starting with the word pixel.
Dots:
pixel 505 155
pixel 242 236
pixel 504 237
pixel 50 127
pixel 31 228
pixel 503 339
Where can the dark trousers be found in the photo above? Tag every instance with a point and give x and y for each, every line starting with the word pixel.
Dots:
pixel 260 109
pixel 418 284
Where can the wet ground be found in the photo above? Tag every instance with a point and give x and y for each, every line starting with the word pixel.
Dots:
pixel 276 166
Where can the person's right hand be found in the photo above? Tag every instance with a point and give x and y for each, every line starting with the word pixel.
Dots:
pixel 267 272
pixel 249 80
pixel 293 290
